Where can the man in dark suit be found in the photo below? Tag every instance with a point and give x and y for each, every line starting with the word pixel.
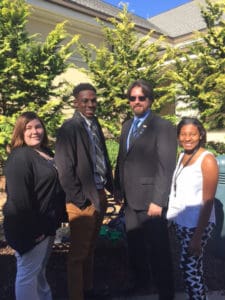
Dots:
pixel 84 172
pixel 146 160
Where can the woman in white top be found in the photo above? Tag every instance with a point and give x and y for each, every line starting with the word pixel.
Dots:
pixel 191 203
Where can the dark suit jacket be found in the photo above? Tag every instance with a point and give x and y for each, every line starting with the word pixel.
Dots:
pixel 74 162
pixel 144 172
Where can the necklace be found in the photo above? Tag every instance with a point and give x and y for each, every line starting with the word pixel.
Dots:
pixel 180 169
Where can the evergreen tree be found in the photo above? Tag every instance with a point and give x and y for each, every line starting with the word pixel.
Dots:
pixel 123 58
pixel 197 76
pixel 28 68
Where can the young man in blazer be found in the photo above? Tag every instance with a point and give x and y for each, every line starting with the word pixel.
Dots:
pixel 84 172
pixel 146 160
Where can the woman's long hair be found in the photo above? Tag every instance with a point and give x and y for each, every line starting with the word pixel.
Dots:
pixel 19 129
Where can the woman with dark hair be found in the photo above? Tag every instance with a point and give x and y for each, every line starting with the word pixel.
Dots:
pixel 199 126
pixel 34 207
pixel 191 203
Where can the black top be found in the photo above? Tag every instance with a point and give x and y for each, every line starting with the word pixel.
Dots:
pixel 35 200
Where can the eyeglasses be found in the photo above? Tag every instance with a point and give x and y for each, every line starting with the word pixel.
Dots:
pixel 140 98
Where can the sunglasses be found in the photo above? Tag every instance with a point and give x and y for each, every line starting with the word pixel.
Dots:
pixel 140 98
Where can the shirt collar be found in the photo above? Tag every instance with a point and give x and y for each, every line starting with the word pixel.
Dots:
pixel 87 121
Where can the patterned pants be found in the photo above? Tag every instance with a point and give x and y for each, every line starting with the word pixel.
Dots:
pixel 192 266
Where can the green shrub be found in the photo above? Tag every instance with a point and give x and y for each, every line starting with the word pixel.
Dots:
pixel 113 148
pixel 217 148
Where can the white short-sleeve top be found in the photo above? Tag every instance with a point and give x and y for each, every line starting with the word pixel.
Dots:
pixel 185 205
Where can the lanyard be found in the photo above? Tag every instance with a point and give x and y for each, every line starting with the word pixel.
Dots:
pixel 179 169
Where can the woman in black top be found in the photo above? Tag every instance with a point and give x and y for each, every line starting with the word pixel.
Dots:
pixel 35 205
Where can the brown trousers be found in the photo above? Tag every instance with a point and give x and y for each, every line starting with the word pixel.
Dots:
pixel 84 228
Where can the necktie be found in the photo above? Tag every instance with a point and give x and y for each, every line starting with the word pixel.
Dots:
pixel 134 132
pixel 100 159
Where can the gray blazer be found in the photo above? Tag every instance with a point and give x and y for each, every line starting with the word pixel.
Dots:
pixel 144 172
pixel 74 162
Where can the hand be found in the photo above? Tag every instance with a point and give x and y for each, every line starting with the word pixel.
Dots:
pixel 195 246
pixel 154 210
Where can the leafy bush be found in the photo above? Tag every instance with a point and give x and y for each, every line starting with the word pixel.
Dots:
pixel 217 148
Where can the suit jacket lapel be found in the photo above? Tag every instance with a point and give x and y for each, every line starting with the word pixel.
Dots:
pixel 148 120
pixel 145 124
pixel 82 130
